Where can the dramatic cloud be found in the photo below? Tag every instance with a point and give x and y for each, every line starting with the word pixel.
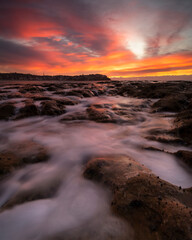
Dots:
pixel 107 36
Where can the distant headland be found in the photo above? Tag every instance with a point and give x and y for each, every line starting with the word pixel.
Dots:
pixel 31 77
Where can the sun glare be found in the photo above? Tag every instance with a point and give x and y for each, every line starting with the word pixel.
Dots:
pixel 137 47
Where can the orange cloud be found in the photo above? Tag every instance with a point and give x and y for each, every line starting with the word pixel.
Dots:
pixel 79 37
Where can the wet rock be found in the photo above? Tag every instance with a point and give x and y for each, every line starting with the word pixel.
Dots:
pixel 154 90
pixel 74 116
pixel 52 108
pixel 185 156
pixel 8 162
pixel 104 105
pixel 165 138
pixel 87 93
pixel 53 87
pixel 19 154
pixel 80 93
pixel 36 96
pixel 100 114
pixel 31 89
pixel 143 90
pixel 99 88
pixel 7 110
pixel 183 126
pixel 174 103
pixel 150 148
pixel 129 116
pixel 67 101
pixel 61 92
pixel 106 169
pixel 29 110
pixel 12 86
pixel 112 91
pixel 14 95
pixel 31 152
pixel 155 208
pixel 42 190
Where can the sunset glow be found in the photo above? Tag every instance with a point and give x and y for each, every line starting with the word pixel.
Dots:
pixel 137 47
pixel 124 39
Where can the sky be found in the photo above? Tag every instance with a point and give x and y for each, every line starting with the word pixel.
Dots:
pixel 119 38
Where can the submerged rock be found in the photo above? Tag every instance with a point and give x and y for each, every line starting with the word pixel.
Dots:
pixel 74 116
pixel 19 154
pixel 8 162
pixel 155 208
pixel 35 192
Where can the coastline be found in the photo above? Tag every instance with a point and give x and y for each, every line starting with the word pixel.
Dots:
pixel 131 140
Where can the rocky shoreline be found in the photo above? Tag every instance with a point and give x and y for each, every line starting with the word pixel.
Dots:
pixel 156 209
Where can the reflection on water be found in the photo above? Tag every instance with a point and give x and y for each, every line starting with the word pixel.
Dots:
pixel 79 209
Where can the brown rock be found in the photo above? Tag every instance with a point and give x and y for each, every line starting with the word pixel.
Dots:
pixel 29 110
pixel 41 191
pixel 165 138
pixel 155 208
pixel 80 93
pixel 174 103
pixel 36 96
pixel 7 110
pixel 8 162
pixel 74 116
pixel 20 154
pixel 185 156
pixel 150 148
pixel 52 108
pixel 31 89
pixel 30 152
pixel 67 101
pixel 183 125
pixel 154 90
pixel 53 87
pixel 100 114
pixel 14 95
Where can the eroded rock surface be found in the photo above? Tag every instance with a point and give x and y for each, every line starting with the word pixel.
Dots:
pixel 21 153
pixel 29 110
pixel 7 110
pixel 183 125
pixel 98 114
pixel 74 116
pixel 174 103
pixel 52 108
pixel 31 88
pixel 155 208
